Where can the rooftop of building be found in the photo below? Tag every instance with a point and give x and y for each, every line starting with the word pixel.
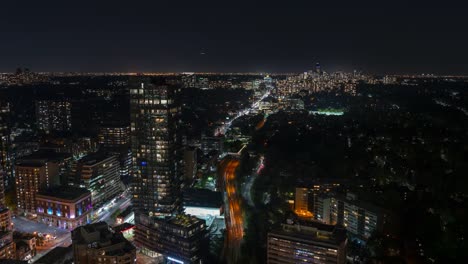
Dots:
pixel 30 164
pixel 101 236
pixel 181 220
pixel 65 192
pixel 312 231
pixel 353 199
pixel 115 124
pixel 123 227
pixel 22 245
pixel 46 155
pixel 95 158
pixel 56 254
pixel 202 198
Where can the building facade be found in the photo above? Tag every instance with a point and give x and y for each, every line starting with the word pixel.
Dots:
pixel 99 173
pixel 30 178
pixel 358 217
pixel 98 243
pixel 115 139
pixel 156 146
pixel 64 207
pixel 179 239
pixel 53 115
pixel 307 242
pixel 5 219
pixel 158 174
pixel 7 245
pixel 209 144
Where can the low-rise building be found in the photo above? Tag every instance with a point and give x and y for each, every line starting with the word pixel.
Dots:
pixel 203 203
pixel 64 207
pixel 7 245
pixel 98 243
pixel 58 255
pixel 307 242
pixel 5 219
pixel 127 216
pixel 25 245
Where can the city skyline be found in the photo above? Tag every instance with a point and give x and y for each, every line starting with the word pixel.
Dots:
pixel 200 132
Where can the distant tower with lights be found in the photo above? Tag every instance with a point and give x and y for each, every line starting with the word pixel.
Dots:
pixel 318 69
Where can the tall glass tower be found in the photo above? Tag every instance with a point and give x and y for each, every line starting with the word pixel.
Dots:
pixel 156 146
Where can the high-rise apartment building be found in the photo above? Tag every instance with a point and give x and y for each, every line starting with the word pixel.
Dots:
pixel 53 115
pixel 307 242
pixel 156 146
pixel 99 173
pixel 114 136
pixel 115 139
pixel 358 217
pixel 158 175
pixel 32 176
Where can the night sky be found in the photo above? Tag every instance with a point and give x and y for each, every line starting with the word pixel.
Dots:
pixel 222 36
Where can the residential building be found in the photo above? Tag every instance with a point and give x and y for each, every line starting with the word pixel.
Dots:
pixel 25 246
pixel 156 146
pixel 358 217
pixel 5 219
pixel 209 144
pixel 53 115
pixel 99 173
pixel 307 242
pixel 158 174
pixel 61 160
pixel 7 245
pixel 32 176
pixel 115 139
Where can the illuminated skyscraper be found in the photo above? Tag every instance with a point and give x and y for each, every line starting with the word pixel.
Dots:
pixel 318 69
pixel 161 231
pixel 156 146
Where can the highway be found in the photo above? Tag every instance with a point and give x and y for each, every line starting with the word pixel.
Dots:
pixel 234 218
